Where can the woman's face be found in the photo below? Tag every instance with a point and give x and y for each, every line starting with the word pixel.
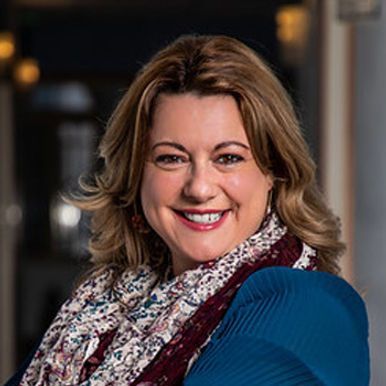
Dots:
pixel 202 190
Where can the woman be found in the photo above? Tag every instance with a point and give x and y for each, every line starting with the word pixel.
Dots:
pixel 208 232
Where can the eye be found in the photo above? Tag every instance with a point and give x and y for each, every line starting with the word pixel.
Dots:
pixel 170 160
pixel 229 159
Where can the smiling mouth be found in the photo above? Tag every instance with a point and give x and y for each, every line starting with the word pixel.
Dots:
pixel 202 218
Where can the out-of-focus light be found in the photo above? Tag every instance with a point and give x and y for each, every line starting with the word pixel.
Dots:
pixel 286 35
pixel 7 45
pixel 67 215
pixel 292 24
pixel 27 72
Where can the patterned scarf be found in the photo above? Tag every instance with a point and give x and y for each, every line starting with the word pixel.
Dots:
pixel 147 321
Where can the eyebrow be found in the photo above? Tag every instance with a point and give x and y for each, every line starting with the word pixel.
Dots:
pixel 230 143
pixel 217 147
pixel 169 143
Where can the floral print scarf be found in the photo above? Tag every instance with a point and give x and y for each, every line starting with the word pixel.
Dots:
pixel 150 319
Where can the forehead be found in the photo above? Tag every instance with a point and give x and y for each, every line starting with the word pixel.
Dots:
pixel 197 119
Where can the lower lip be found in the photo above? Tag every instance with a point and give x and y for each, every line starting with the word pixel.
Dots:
pixel 202 227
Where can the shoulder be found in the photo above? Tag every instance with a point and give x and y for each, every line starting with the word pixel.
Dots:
pixel 307 288
pixel 286 304
pixel 314 319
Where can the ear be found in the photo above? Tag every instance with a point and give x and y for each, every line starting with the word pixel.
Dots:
pixel 269 178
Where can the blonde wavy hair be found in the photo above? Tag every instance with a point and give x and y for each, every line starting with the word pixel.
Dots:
pixel 204 65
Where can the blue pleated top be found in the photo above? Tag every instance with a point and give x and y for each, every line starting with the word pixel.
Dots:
pixel 288 327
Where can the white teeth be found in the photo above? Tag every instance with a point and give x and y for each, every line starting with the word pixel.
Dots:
pixel 207 218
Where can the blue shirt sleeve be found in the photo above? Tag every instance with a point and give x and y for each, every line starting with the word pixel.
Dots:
pixel 288 327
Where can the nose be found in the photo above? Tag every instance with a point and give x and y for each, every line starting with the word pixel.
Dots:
pixel 201 184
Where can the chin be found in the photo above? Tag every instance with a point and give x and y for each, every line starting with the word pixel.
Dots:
pixel 202 256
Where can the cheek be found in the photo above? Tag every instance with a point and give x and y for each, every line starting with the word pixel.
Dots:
pixel 249 187
pixel 158 188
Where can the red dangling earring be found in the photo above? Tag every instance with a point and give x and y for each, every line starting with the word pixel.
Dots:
pixel 139 223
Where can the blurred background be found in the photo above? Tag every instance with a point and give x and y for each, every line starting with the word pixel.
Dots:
pixel 64 64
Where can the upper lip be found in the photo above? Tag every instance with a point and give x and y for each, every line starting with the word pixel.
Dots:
pixel 201 211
